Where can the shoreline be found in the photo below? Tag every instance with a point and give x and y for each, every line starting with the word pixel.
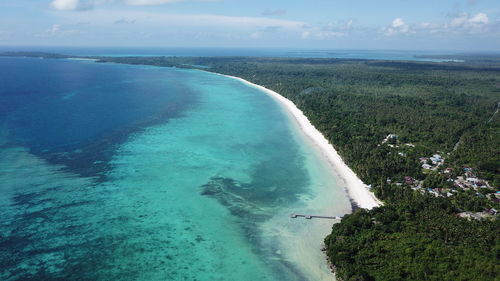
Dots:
pixel 309 255
pixel 356 189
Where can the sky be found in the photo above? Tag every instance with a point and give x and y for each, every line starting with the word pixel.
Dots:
pixel 462 25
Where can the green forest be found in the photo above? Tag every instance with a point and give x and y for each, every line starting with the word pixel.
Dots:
pixel 446 109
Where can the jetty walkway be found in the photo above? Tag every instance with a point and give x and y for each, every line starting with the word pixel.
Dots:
pixel 294 216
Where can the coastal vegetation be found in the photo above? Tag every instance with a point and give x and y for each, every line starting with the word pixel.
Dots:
pixel 426 138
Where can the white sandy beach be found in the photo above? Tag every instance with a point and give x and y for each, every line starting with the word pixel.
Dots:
pixel 301 245
pixel 357 190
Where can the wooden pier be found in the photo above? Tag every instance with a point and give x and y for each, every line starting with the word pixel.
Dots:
pixel 294 216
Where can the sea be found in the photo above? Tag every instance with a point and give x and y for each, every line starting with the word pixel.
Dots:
pixel 122 172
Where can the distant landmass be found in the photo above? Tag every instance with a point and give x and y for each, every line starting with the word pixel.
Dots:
pixel 425 136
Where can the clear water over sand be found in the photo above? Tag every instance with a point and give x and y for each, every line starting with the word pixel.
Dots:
pixel 116 172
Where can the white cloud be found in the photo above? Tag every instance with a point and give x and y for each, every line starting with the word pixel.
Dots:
pixel 79 5
pixel 463 20
pixel 105 18
pixel 65 4
pixel 71 5
pixel 480 18
pixel 158 2
pixel 398 26
pixel 253 27
pixel 183 24
pixel 398 22
pixel 465 23
pixel 459 20
pixel 462 23
pixel 149 2
pixel 429 27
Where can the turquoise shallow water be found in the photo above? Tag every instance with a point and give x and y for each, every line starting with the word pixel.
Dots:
pixel 196 184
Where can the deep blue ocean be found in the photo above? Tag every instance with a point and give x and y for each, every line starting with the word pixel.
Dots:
pixel 57 107
pixel 120 172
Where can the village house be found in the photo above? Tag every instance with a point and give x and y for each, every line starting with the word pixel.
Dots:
pixel 409 180
pixel 492 211
pixel 436 158
pixel 427 166
pixel 390 137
